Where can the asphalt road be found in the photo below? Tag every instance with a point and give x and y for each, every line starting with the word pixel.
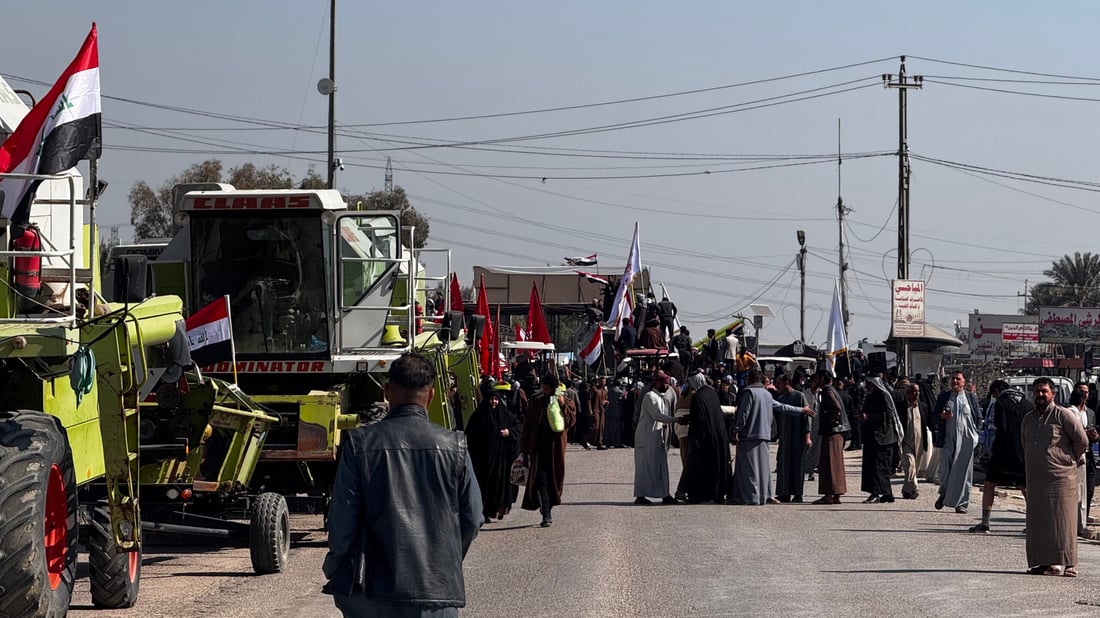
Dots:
pixel 605 556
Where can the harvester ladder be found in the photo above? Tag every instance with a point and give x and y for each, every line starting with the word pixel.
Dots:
pixel 67 256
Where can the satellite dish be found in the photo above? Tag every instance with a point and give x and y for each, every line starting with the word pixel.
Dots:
pixel 325 86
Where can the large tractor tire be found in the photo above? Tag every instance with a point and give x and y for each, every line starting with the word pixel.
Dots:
pixel 38 504
pixel 115 574
pixel 269 533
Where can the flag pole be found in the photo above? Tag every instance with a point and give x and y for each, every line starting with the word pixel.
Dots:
pixel 232 344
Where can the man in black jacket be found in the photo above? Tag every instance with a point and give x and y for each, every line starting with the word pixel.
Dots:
pixel 405 499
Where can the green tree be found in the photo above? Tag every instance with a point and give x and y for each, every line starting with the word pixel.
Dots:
pixel 312 180
pixel 250 177
pixel 1075 282
pixel 394 200
pixel 151 211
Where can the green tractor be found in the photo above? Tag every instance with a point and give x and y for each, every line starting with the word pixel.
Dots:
pixel 71 370
pixel 322 299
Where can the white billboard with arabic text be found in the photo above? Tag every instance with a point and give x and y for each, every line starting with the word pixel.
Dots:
pixel 1069 325
pixel 908 307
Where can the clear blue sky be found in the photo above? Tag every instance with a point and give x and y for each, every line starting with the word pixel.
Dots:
pixel 714 239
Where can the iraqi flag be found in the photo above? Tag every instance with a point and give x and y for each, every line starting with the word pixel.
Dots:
pixel 210 334
pixel 593 278
pixel 592 350
pixel 587 260
pixel 62 129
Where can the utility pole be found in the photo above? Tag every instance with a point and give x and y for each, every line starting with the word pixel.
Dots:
pixel 841 210
pixel 332 163
pixel 802 272
pixel 389 176
pixel 903 83
pixel 1024 295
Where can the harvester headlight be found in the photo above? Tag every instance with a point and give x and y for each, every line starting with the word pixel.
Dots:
pixel 181 218
pixel 328 217
pixel 172 493
pixel 362 366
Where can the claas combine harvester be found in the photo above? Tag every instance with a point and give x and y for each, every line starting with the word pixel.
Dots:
pixel 323 298
pixel 106 429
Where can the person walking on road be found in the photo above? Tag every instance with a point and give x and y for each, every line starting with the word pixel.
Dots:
pixel 1054 445
pixel 613 420
pixel 1087 417
pixel 956 419
pixel 882 434
pixel 832 482
pixel 1006 456
pixel 752 481
pixel 794 439
pixel 914 418
pixel 650 444
pixel 405 508
pixel 597 409
pixel 708 466
pixel 549 415
pixel 492 436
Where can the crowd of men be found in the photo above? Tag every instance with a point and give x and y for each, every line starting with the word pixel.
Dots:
pixel 724 434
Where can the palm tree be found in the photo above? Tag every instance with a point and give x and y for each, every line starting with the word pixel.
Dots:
pixel 1075 282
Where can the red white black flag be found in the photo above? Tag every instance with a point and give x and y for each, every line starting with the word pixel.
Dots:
pixel 588 260
pixel 210 334
pixel 592 350
pixel 62 129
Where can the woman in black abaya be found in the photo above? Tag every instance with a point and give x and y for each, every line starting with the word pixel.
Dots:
pixel 492 438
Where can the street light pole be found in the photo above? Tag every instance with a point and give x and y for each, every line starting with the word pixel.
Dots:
pixel 802 272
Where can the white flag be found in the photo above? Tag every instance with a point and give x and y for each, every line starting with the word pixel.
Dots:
pixel 633 267
pixel 838 341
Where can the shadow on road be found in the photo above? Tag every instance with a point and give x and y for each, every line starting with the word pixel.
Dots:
pixel 217 574
pixel 524 527
pixel 909 531
pixel 907 571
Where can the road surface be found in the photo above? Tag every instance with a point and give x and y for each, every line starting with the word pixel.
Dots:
pixel 605 556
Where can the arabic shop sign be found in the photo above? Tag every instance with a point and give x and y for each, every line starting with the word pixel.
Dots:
pixel 1020 333
pixel 908 308
pixel 1069 325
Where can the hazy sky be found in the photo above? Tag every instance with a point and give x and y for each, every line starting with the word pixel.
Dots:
pixel 717 240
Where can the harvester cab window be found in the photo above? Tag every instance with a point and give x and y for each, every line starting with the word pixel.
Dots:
pixel 368 249
pixel 273 270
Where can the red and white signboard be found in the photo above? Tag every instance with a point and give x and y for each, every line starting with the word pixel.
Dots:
pixel 908 308
pixel 1020 333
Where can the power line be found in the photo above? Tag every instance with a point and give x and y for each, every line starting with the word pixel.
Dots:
pixel 1004 70
pixel 1064 97
pixel 627 100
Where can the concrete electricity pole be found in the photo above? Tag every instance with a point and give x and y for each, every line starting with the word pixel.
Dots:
pixel 841 210
pixel 802 272
pixel 903 83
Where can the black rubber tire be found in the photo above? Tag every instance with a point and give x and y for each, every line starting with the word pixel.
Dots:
pixel 33 446
pixel 269 533
pixel 115 574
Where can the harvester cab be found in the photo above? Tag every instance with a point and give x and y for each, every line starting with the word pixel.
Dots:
pixel 322 299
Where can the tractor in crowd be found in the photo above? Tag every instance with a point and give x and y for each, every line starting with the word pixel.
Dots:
pixel 106 428
pixel 322 298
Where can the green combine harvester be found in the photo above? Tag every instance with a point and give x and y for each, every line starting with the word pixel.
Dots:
pixel 323 298
pixel 106 429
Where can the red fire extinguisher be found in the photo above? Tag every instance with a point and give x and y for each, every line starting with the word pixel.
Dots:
pixel 28 270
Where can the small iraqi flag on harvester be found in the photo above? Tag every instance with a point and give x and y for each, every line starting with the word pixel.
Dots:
pixel 63 128
pixel 210 334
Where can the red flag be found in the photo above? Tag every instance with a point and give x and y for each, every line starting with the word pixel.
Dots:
pixel 60 130
pixel 494 365
pixel 485 357
pixel 536 320
pixel 456 295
